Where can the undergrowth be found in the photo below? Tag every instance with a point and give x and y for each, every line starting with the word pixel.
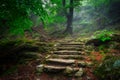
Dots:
pixel 104 35
pixel 109 69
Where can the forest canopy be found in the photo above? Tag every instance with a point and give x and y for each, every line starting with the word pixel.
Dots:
pixel 16 16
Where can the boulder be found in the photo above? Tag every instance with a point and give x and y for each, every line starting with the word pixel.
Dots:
pixel 68 70
pixel 79 73
pixel 40 68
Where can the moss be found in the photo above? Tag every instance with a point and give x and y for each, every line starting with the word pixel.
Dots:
pixel 20 51
pixel 109 69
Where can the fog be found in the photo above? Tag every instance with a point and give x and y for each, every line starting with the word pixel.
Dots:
pixel 88 18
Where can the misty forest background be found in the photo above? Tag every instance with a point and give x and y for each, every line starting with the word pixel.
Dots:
pixel 36 25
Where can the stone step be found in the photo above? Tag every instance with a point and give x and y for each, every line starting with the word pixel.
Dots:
pixel 73 43
pixel 69 56
pixel 68 52
pixel 66 45
pixel 70 48
pixel 65 40
pixel 67 62
pixel 55 68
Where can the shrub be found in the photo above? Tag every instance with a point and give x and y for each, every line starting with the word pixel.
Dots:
pixel 103 35
pixel 109 69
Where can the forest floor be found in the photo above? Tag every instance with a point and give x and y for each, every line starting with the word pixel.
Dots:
pixel 27 71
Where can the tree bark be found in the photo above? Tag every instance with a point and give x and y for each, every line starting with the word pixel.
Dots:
pixel 69 16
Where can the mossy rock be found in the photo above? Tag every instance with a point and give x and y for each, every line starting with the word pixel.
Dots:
pixel 109 69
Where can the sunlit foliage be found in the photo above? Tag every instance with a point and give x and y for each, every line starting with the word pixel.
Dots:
pixel 103 35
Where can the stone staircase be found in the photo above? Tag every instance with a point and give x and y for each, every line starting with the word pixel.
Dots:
pixel 68 58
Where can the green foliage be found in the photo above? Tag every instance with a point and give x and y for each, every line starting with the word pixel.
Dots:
pixel 15 14
pixel 102 2
pixel 99 2
pixel 19 26
pixel 102 47
pixel 61 11
pixel 109 69
pixel 103 35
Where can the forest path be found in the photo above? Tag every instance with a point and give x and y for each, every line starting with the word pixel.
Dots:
pixel 68 59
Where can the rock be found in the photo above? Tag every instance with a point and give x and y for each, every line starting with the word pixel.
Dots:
pixel 69 56
pixel 88 78
pixel 40 68
pixel 79 63
pixel 89 64
pixel 64 52
pixel 64 61
pixel 48 56
pixel 79 73
pixel 32 55
pixel 54 67
pixel 68 70
pixel 57 44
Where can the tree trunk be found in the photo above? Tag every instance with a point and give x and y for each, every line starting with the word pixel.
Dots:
pixel 69 16
pixel 69 29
